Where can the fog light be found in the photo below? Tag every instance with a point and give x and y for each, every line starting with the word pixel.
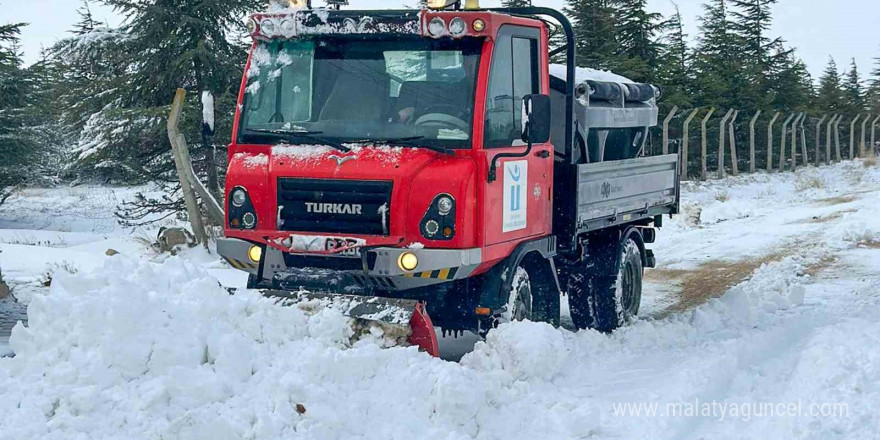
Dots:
pixel 479 25
pixel 255 253
pixel 408 261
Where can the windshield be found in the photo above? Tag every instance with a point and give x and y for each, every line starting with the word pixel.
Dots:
pixel 344 90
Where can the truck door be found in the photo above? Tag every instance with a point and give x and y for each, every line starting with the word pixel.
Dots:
pixel 517 204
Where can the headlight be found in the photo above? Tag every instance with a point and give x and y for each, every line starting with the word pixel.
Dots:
pixel 287 28
pixel 251 26
pixel 445 205
pixel 457 26
pixel 437 27
pixel 479 25
pixel 238 197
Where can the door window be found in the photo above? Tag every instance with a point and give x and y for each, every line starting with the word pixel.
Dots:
pixel 514 75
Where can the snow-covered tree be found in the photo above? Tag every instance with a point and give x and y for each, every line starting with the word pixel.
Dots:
pixel 17 145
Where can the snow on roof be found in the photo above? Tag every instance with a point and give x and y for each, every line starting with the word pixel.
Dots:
pixel 585 73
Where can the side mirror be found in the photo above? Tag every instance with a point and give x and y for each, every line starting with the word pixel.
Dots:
pixel 536 119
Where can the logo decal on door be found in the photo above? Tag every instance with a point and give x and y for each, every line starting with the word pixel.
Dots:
pixel 516 180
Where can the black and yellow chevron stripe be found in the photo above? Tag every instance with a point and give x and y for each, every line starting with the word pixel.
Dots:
pixel 441 274
pixel 241 265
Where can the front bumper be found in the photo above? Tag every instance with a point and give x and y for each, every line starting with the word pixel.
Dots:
pixel 376 269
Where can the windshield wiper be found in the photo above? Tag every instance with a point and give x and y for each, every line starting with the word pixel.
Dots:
pixel 407 142
pixel 302 135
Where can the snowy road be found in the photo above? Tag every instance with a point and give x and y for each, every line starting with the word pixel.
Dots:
pixel 760 322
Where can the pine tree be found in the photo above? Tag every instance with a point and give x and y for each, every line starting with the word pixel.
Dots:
pixel 763 57
pixel 854 96
pixel 718 62
pixel 675 61
pixel 637 51
pixel 830 95
pixel 593 22
pixel 873 93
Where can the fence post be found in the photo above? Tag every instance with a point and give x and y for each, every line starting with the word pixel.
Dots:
pixel 722 132
pixel 852 135
pixel 806 160
pixel 733 157
pixel 837 138
pixel 818 136
pixel 770 142
pixel 666 128
pixel 189 197
pixel 752 141
pixel 782 144
pixel 828 139
pixel 794 134
pixel 685 143
pixel 873 127
pixel 704 144
pixel 862 140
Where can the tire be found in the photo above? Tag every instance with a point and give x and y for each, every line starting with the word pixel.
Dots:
pixel 519 298
pixel 605 302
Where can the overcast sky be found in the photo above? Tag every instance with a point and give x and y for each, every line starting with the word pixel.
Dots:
pixel 848 29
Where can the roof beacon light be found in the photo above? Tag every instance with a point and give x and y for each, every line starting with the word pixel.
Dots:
pixel 441 4
pixel 472 5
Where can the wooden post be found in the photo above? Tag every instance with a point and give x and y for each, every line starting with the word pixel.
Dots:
pixel 770 142
pixel 722 132
pixel 805 160
pixel 734 166
pixel 685 143
pixel 752 141
pixel 189 197
pixel 819 136
pixel 852 137
pixel 828 139
pixel 862 140
pixel 837 138
pixel 666 128
pixel 782 144
pixel 794 126
pixel 704 173
pixel 873 132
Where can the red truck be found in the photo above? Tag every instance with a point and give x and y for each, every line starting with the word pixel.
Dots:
pixel 435 156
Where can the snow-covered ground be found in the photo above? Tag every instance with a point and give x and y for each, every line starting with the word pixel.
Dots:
pixel 760 322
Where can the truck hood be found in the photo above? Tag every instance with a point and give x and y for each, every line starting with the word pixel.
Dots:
pixel 361 163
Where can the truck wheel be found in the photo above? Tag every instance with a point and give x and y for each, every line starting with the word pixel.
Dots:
pixel 606 302
pixel 519 302
pixel 617 298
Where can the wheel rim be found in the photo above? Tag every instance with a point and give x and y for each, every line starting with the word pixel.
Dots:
pixel 629 286
pixel 519 303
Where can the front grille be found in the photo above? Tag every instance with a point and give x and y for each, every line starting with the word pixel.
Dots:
pixel 334 206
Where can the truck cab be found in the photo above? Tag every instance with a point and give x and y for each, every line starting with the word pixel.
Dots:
pixel 407 154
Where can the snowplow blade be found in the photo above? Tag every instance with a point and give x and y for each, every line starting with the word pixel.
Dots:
pixel 405 320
